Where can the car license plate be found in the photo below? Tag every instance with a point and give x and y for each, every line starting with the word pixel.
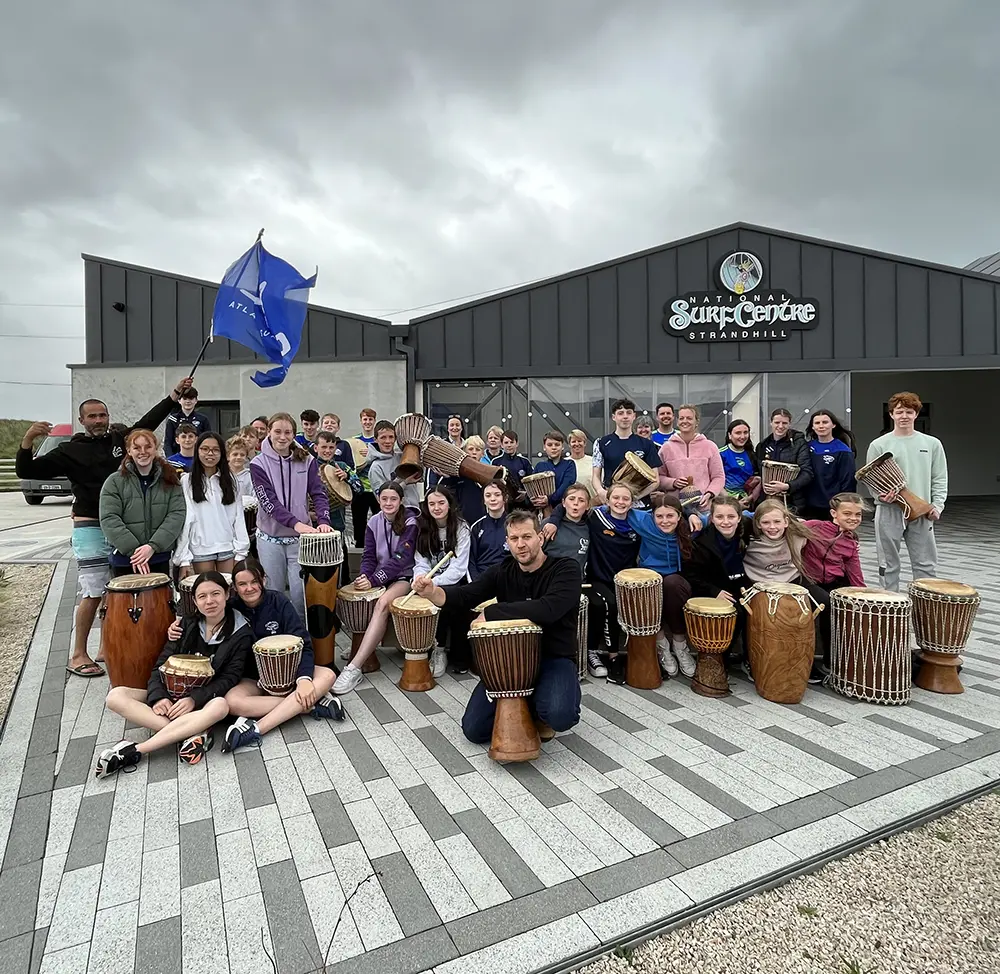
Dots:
pixel 51 487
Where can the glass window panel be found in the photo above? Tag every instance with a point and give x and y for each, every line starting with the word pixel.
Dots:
pixel 564 404
pixel 639 388
pixel 746 403
pixel 480 404
pixel 710 393
pixel 668 389
pixel 802 392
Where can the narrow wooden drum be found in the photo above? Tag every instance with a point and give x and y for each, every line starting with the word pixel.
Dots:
pixel 711 625
pixel 539 486
pixel 320 556
pixel 883 475
pixel 635 472
pixel 412 431
pixel 277 659
pixel 183 673
pixel 870 645
pixel 337 490
pixel 442 457
pixel 943 613
pixel 355 609
pixel 137 613
pixel 581 637
pixel 481 473
pixel 639 597
pixel 781 639
pixel 416 628
pixel 508 655
pixel 185 589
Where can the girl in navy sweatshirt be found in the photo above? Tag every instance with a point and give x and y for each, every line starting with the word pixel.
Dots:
pixel 488 542
pixel 831 449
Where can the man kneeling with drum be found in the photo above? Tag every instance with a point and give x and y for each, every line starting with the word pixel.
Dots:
pixel 528 586
pixel 186 692
pixel 271 614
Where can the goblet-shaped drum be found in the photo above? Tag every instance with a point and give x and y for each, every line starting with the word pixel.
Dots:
pixel 639 596
pixel 412 432
pixel 277 658
pixel 355 608
pixel 416 620
pixel 183 673
pixel 635 472
pixel 711 625
pixel 882 476
pixel 943 613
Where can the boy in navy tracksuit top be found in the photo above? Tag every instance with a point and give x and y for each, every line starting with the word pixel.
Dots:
pixel 564 469
pixel 516 464
pixel 833 473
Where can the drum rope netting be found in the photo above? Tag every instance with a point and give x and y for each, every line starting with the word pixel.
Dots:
pixel 942 623
pixel 882 476
pixel 321 550
pixel 493 634
pixel 870 648
pixel 640 609
pixel 581 637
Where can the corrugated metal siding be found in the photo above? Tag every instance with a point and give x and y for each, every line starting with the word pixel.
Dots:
pixel 605 320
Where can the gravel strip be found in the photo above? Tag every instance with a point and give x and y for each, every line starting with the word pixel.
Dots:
pixel 923 902
pixel 20 602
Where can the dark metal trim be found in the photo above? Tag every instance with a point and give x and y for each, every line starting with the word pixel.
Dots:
pixel 174 363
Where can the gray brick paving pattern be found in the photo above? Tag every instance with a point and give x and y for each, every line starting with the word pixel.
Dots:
pixel 654 801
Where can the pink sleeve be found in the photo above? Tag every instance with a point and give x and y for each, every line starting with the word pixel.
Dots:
pixel 666 481
pixel 853 567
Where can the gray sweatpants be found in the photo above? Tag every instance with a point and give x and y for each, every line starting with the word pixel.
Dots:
pixel 891 529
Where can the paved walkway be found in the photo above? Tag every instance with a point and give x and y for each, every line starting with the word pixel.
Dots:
pixel 656 804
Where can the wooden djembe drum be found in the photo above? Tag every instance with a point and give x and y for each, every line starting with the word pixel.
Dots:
pixel 711 625
pixel 943 613
pixel 416 621
pixel 639 596
pixel 355 608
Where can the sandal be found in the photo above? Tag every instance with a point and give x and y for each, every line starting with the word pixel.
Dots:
pixel 87 670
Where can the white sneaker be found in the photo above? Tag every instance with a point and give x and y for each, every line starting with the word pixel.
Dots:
pixel 687 662
pixel 667 660
pixel 439 662
pixel 595 666
pixel 348 680
pixel 345 653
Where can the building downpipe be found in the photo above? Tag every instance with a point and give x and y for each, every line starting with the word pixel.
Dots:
pixel 399 334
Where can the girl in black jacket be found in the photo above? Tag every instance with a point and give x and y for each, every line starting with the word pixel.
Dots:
pixel 218 632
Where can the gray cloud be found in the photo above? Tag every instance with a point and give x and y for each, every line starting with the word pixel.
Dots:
pixel 419 152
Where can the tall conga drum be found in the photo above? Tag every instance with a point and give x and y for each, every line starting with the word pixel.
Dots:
pixel 943 613
pixel 781 639
pixel 711 625
pixel 870 645
pixel 639 596
pixel 581 637
pixel 508 655
pixel 320 556
pixel 415 619
pixel 137 613
pixel 355 609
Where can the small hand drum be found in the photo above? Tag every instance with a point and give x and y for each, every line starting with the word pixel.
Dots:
pixel 416 624
pixel 540 486
pixel 337 490
pixel 943 613
pixel 639 596
pixel 183 673
pixel 277 659
pixel 355 609
pixel 635 472
pixel 711 625
pixel 882 476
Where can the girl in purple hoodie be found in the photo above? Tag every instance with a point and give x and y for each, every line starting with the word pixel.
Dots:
pixel 390 546
pixel 283 475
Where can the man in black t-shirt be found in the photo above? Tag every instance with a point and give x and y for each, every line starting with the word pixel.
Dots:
pixel 610 450
pixel 528 585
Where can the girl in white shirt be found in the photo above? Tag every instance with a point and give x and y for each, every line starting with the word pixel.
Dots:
pixel 215 532
pixel 440 529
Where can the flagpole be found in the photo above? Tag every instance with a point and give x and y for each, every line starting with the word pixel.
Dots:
pixel 204 348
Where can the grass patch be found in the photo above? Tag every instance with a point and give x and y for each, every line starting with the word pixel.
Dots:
pixel 806 910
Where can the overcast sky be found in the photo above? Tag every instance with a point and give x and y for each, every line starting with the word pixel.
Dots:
pixel 423 151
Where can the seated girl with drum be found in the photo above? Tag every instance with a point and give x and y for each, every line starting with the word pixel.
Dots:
pixel 215 530
pixel 271 613
pixel 142 508
pixel 528 586
pixel 219 633
pixel 387 562
pixel 740 464
pixel 664 544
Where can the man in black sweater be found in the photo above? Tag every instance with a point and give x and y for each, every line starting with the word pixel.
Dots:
pixel 87 460
pixel 528 585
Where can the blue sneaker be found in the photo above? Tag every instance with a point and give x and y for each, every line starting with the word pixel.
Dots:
pixel 243 733
pixel 328 706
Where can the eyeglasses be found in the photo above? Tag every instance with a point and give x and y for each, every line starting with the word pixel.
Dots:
pixel 209 449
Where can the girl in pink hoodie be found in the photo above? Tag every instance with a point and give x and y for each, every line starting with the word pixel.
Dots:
pixel 691 461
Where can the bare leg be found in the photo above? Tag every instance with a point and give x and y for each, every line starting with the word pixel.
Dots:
pixel 86 612
pixel 379 623
pixel 130 703
pixel 187 726
pixel 204 566
pixel 284 708
pixel 226 566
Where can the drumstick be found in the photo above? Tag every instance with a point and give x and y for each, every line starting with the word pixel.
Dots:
pixel 406 598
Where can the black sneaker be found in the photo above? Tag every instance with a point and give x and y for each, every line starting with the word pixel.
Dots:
pixel 460 669
pixel 195 748
pixel 241 733
pixel 616 669
pixel 328 706
pixel 124 756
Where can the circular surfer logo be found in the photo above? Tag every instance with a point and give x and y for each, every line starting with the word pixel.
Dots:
pixel 740 272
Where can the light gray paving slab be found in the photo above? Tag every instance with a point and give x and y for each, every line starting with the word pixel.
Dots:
pixel 194 798
pixel 706 737
pixel 391 805
pixel 634 908
pixel 611 714
pixel 871 786
pixel 160 828
pixel 69 960
pixel 286 788
pixel 734 870
pixel 702 788
pixel 76 905
pixel 228 811
pixel 952 717
pixel 448 756
pixel 398 765
pixel 122 873
pixel 817 750
pixel 369 908
pixel 443 887
pixel 422 952
pixel 267 833
pixel 237 865
pixel 48 889
pixel 128 815
pixel 371 828
pixel 503 860
pixel 247 934
pixel 336 931
pixel 203 930
pixel 473 871
pixel 535 782
pixel 160 889
pixel 721 841
pixel 409 901
pixel 295 946
pixel 820 836
pixel 600 813
pixel 254 783
pixel 198 857
pixel 112 950
pixel 312 775
pixel 597 839
pixel 658 802
pixel 19 898
pixel 308 848
pixel 361 756
pixel 905 729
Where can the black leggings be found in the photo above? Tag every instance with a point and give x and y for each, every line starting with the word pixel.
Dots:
pixel 821 593
pixel 362 505
pixel 604 634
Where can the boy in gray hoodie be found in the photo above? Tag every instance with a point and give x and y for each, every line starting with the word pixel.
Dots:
pixel 573 537
pixel 383 458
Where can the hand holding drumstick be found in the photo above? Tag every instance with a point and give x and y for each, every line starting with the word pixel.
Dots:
pixel 424 587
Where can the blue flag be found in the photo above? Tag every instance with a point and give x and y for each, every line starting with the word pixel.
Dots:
pixel 262 304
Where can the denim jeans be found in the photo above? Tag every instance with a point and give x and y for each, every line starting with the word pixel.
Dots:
pixel 556 701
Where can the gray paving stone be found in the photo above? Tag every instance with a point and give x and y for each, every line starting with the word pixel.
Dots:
pixel 294 731
pixel 610 713
pixel 77 762
pixel 44 736
pixel 817 715
pixel 623 877
pixel 500 856
pixel 978 747
pixel 827 692
pixel 90 833
pixel 38 775
pixel 408 956
pixel 54 677
pixel 804 810
pixel 158 947
pixel 448 756
pixel 817 750
pixel 410 904
pixel 715 742
pixel 911 732
pixel 37 950
pixel 380 707
pixel 162 765
pixel 199 856
pixel 995 691
pixel 656 698
pixel 951 717
pixel 937 762
pixel 734 701
pixel 433 816
pixel 977 674
pixel 28 831
pixel 50 704
pixel 540 786
pixel 367 765
pixel 255 785
pixel 296 949
pixel 643 818
pixel 334 823
pixel 584 749
pixel 694 782
pixel 18 898
pixel 424 702
pixel 723 840
pixel 15 953
pixel 518 916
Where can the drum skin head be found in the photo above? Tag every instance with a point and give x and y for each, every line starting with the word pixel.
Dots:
pixel 506 625
pixel 278 644
pixel 633 459
pixel 350 594
pixel 132 583
pixel 852 593
pixel 416 605
pixel 944 586
pixel 340 487
pixel 637 576
pixel 781 588
pixel 192 665
pixel 710 607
